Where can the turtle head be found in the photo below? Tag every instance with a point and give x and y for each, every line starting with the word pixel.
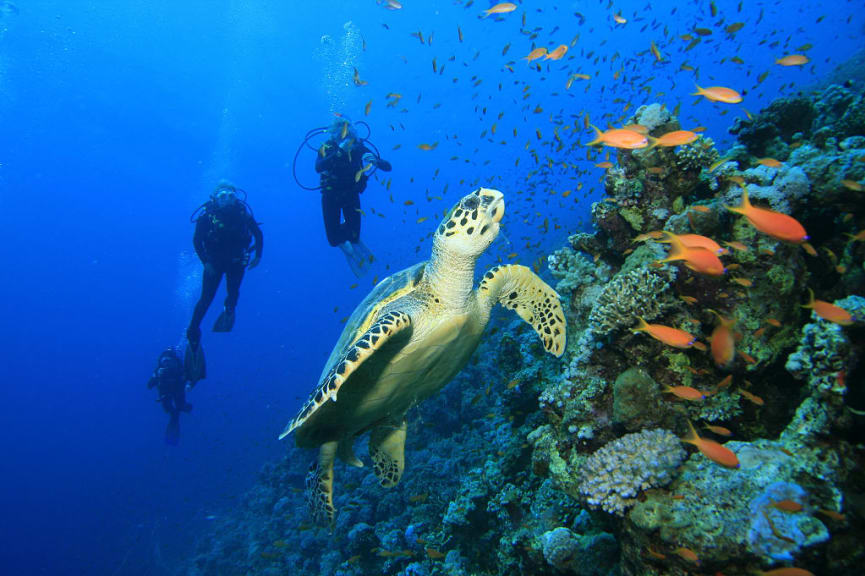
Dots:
pixel 473 223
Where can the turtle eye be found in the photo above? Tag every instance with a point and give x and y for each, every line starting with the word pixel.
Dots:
pixel 471 203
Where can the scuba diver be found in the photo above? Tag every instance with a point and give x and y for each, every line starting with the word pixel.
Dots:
pixel 344 163
pixel 226 234
pixel 169 379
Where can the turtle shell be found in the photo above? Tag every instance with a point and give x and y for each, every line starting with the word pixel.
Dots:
pixel 385 292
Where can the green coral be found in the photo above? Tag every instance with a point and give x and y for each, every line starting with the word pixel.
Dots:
pixel 636 402
pixel 633 217
pixel 643 256
pixel 782 280
pixel 720 407
pixel 680 365
pixel 547 461
pixel 697 155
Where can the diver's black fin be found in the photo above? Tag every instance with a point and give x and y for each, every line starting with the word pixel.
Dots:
pixel 225 322
pixel 194 366
pixel 356 259
pixel 172 431
pixel 364 254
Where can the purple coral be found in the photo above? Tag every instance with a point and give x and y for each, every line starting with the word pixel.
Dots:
pixel 614 476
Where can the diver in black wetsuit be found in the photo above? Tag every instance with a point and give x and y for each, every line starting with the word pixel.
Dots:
pixel 226 234
pixel 169 379
pixel 343 162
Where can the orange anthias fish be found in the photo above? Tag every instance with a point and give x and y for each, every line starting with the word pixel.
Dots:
pixel 685 392
pixel 619 138
pixel 828 311
pixel 722 342
pixel 535 54
pixel 636 128
pixel 501 8
pixel 852 185
pixel 719 94
pixel 557 53
pixel 770 162
pixel 737 246
pixel 695 241
pixel 653 235
pixel 786 571
pixel 687 554
pixel 774 224
pixel 858 237
pixel 752 398
pixel 675 138
pixel 711 449
pixel 669 336
pixel 793 60
pixel 719 430
pixel 698 259
pixel 790 506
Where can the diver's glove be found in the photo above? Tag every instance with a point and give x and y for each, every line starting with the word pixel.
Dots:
pixel 254 262
pixel 383 165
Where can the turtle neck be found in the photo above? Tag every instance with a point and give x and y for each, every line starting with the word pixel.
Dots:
pixel 451 276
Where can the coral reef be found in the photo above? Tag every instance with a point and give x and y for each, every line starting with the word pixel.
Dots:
pixel 526 464
pixel 579 555
pixel 726 514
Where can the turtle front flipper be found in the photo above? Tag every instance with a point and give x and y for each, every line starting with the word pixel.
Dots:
pixel 382 330
pixel 518 288
pixel 387 450
pixel 319 485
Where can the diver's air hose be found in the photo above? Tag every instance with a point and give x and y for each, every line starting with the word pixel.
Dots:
pixel 323 130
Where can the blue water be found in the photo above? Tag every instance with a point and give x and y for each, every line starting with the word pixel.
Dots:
pixel 118 118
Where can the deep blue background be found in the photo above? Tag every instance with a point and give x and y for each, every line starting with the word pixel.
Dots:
pixel 118 118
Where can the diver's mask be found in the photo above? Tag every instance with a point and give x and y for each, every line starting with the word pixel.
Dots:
pixel 343 133
pixel 224 197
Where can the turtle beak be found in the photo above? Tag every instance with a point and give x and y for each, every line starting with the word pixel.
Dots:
pixel 497 210
pixel 494 202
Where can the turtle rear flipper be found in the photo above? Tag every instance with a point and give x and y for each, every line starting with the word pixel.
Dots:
pixel 319 485
pixel 519 289
pixel 345 452
pixel 378 335
pixel 387 450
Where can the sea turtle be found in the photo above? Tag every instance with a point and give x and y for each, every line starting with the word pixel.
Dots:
pixel 408 338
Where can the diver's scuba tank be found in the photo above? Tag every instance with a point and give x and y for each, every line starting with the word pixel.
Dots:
pixel 330 130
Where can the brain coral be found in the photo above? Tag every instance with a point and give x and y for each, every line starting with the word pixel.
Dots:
pixel 639 292
pixel 614 476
